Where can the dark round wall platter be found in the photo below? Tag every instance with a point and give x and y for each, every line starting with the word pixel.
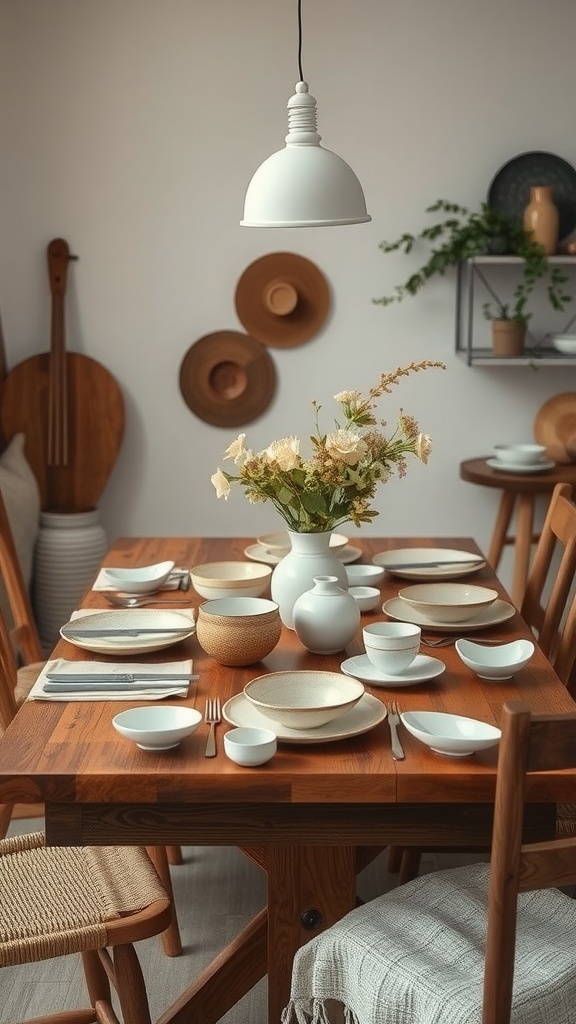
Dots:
pixel 227 378
pixel 509 192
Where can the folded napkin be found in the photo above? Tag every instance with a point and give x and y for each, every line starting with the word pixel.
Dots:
pixel 96 680
pixel 175 579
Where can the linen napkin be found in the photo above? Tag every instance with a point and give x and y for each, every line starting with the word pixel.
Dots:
pixel 138 689
pixel 102 583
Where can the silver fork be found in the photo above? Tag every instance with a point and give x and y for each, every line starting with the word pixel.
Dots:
pixel 445 641
pixel 393 721
pixel 212 716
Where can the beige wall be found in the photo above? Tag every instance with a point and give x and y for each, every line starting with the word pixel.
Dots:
pixel 132 127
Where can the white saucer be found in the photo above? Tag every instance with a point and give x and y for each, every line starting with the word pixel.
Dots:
pixel 498 612
pixel 517 467
pixel 258 553
pixel 367 713
pixel 389 559
pixel 423 667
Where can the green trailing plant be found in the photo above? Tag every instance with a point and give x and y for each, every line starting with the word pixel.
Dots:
pixel 464 234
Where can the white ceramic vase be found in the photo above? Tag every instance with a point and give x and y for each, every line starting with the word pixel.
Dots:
pixel 309 556
pixel 326 618
pixel 69 550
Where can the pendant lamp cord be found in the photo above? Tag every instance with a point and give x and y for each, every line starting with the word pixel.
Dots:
pixel 300 72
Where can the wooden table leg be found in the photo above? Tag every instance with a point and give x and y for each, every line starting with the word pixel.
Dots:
pixel 523 546
pixel 503 517
pixel 309 889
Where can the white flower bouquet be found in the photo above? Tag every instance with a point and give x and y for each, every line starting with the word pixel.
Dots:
pixel 337 481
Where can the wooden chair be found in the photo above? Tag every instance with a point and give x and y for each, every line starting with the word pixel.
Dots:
pixel 549 608
pixel 21 661
pixel 442 947
pixel 112 897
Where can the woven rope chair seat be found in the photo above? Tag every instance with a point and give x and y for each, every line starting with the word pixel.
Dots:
pixel 27 676
pixel 57 900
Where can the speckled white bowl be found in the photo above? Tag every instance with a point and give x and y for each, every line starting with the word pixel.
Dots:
pixel 448 602
pixel 303 699
pixel 230 579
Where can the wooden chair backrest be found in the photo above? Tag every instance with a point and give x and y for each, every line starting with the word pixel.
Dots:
pixel 544 612
pixel 529 743
pixel 23 631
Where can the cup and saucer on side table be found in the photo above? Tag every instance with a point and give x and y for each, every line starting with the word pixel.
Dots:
pixel 520 458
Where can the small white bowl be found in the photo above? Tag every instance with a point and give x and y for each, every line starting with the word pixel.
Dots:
pixel 250 747
pixel 230 579
pixel 450 734
pixel 157 728
pixel 520 454
pixel 500 661
pixel 303 699
pixel 366 598
pixel 448 602
pixel 360 575
pixel 142 580
pixel 565 343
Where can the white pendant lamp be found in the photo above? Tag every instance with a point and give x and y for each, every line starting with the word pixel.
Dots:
pixel 303 185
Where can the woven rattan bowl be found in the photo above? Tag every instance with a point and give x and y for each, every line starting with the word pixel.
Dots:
pixel 238 630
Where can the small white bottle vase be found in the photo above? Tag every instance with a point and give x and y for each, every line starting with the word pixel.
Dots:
pixel 326 617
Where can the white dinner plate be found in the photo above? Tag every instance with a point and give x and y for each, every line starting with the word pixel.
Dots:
pixel 258 553
pixel 423 667
pixel 518 467
pixel 367 713
pixel 496 613
pixel 389 559
pixel 131 619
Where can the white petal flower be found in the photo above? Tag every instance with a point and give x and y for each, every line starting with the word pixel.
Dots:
pixel 236 451
pixel 285 452
pixel 221 484
pixel 423 447
pixel 348 396
pixel 345 446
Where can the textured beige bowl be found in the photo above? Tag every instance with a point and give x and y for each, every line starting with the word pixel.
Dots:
pixel 303 700
pixel 448 602
pixel 238 630
pixel 215 580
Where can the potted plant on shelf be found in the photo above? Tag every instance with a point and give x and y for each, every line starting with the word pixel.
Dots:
pixel 463 234
pixel 509 324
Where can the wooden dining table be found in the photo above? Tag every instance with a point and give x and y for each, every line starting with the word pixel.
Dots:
pixel 314 815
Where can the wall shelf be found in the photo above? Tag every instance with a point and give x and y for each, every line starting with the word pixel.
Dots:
pixel 477 270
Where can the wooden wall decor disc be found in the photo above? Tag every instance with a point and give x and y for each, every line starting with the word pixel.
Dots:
pixel 555 426
pixel 227 378
pixel 282 299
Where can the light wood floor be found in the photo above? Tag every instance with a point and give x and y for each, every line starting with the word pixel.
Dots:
pixel 217 891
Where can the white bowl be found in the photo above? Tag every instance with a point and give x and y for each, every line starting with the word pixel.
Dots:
pixel 230 579
pixel 360 575
pixel 565 343
pixel 303 700
pixel 450 734
pixel 448 602
pixel 366 598
pixel 279 543
pixel 391 646
pixel 520 454
pixel 250 747
pixel 500 661
pixel 142 580
pixel 158 727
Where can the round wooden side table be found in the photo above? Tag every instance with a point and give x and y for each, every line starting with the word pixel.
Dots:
pixel 519 493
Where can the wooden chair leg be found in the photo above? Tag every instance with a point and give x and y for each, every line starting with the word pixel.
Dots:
pixel 394 862
pixel 171 941
pixel 410 865
pixel 130 986
pixel 174 854
pixel 95 977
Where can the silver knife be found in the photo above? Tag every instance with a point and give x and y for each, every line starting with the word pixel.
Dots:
pixel 158 630
pixel 432 565
pixel 116 677
pixel 81 687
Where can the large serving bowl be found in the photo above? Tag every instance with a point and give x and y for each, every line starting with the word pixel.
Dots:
pixel 520 454
pixel 447 602
pixel 238 630
pixel 144 579
pixel 159 727
pixel 303 700
pixel 450 734
pixel 216 580
pixel 499 661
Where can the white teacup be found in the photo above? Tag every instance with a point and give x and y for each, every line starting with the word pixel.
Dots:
pixel 391 646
